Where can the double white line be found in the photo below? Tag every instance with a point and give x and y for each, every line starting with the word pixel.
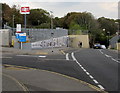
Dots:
pixel 90 76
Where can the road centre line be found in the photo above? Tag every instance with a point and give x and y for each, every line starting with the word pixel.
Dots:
pixel 67 56
pixel 96 82
pixel 107 55
pixel 115 60
pixel 111 57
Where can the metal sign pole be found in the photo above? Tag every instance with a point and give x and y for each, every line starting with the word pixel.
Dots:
pixel 21 45
pixel 25 22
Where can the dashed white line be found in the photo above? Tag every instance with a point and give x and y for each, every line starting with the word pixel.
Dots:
pixel 91 76
pixel 101 87
pixel 84 70
pixel 115 60
pixel 67 57
pixel 87 73
pixel 107 55
pixel 110 57
pixel 95 81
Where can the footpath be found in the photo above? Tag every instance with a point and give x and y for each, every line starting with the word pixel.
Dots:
pixel 29 79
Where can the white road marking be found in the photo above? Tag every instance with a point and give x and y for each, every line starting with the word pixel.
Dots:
pixel 72 54
pixel 22 55
pixel 91 76
pixel 74 58
pixel 84 70
pixel 87 73
pixel 107 55
pixel 82 67
pixel 42 56
pixel 101 87
pixel 115 60
pixel 95 81
pixel 101 51
pixel 110 56
pixel 67 57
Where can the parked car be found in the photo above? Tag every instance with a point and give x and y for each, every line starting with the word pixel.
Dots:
pixel 103 47
pixel 97 46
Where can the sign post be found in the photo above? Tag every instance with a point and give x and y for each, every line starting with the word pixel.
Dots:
pixel 22 38
pixel 25 10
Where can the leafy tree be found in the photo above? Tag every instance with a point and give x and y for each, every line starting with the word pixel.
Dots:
pixel 6 14
pixel 108 25
pixel 38 16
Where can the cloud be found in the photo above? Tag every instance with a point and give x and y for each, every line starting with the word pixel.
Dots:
pixel 60 9
pixel 109 6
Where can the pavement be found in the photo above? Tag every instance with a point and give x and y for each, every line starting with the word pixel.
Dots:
pixel 28 79
pixel 33 52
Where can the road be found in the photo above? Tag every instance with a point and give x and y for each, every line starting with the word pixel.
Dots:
pixel 97 67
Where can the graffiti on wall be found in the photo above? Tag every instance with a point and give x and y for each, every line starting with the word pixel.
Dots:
pixel 53 42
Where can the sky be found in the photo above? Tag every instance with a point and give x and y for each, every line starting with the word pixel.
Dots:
pixel 99 8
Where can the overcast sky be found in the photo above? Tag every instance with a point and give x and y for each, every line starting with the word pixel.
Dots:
pixel 98 8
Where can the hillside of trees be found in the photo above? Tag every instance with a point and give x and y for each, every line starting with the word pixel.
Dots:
pixel 75 22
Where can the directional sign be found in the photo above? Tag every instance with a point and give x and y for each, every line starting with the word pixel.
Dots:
pixel 22 37
pixel 25 10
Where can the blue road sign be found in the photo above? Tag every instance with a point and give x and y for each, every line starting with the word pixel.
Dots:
pixel 17 35
pixel 22 37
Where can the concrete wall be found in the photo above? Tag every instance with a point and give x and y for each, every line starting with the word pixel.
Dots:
pixel 6 37
pixel 118 46
pixel 75 39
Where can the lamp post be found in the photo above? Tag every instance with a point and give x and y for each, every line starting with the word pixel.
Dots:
pixel 117 27
pixel 51 29
pixel 38 22
pixel 108 38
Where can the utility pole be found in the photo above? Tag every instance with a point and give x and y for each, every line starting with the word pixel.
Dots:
pixel 108 37
pixel 13 24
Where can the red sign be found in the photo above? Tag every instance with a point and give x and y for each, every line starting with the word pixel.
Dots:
pixel 25 10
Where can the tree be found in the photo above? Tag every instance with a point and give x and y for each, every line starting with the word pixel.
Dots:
pixel 108 25
pixel 38 16
pixel 6 14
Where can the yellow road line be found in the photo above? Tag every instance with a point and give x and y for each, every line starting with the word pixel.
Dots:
pixel 41 53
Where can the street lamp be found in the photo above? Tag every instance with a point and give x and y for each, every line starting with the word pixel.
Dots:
pixel 108 37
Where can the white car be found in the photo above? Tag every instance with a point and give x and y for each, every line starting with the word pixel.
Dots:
pixel 103 47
